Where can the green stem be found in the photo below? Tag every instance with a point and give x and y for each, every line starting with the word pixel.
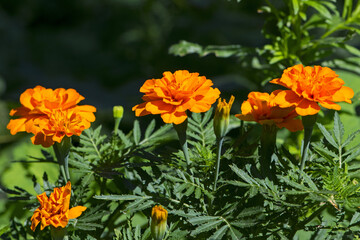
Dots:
pixel 117 124
pixel 219 147
pixel 308 122
pixel 267 147
pixel 181 132
pixel 58 233
pixel 62 150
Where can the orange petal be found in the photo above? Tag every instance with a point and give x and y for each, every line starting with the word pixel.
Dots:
pixel 306 107
pixel 245 117
pixel 330 105
pixel 75 212
pixel 343 94
pixel 174 117
pixel 140 110
pixel 287 98
pixel 292 125
pixel 158 107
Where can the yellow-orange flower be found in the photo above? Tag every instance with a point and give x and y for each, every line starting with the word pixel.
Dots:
pixel 261 108
pixel 55 210
pixel 222 117
pixel 158 222
pixel 310 86
pixel 51 114
pixel 174 94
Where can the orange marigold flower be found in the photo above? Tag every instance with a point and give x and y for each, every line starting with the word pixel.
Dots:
pixel 174 94
pixel 55 210
pixel 261 108
pixel 310 86
pixel 50 115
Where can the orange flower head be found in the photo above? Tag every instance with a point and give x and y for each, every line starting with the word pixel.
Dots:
pixel 55 210
pixel 175 93
pixel 261 108
pixel 51 115
pixel 310 86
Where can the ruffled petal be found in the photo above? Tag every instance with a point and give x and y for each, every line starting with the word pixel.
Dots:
pixel 75 212
pixel 306 107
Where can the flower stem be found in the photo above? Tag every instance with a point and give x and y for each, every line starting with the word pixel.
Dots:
pixel 58 233
pixel 308 122
pixel 219 147
pixel 62 150
pixel 267 146
pixel 181 132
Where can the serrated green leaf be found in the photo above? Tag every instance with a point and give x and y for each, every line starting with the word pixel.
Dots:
pixel 206 227
pixel 308 180
pixel 120 197
pixel 350 138
pixel 327 135
pixel 338 129
pixel 243 175
pixel 202 219
pixel 251 211
pixel 219 233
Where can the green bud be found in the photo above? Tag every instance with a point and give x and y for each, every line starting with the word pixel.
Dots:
pixel 118 111
pixel 222 117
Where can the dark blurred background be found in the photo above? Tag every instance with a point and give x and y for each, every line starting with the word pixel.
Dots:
pixel 106 49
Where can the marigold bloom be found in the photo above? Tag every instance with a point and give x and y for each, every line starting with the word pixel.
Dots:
pixel 55 210
pixel 222 117
pixel 51 114
pixel 310 86
pixel 261 108
pixel 174 94
pixel 158 222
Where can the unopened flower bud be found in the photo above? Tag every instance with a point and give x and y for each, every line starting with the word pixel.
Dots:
pixel 118 111
pixel 158 222
pixel 222 117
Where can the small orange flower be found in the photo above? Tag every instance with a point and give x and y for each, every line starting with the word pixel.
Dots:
pixel 174 94
pixel 55 210
pixel 310 86
pixel 261 108
pixel 51 114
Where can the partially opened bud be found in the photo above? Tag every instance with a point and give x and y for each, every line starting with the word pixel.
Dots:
pixel 158 222
pixel 222 117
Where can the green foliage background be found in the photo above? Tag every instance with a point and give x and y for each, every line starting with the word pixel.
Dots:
pixel 106 49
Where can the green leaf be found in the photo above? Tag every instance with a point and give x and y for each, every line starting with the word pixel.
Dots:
pixel 320 8
pixel 251 211
pixel 350 138
pixel 308 180
pixel 219 233
pixel 243 175
pixel 4 229
pixel 295 5
pixel 202 219
pixel 206 227
pixel 327 135
pixel 136 132
pixel 150 128
pixel 338 129
pixel 120 197
pixel 355 218
pixel 184 48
